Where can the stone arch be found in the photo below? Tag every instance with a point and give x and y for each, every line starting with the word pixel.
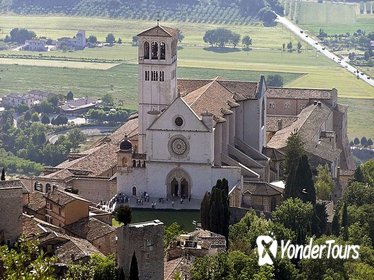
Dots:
pixel 146 50
pixel 154 50
pixel 162 50
pixel 179 183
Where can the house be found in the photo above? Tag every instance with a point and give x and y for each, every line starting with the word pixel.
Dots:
pixel 35 45
pixel 63 208
pixel 77 43
pixel 30 98
pixel 78 106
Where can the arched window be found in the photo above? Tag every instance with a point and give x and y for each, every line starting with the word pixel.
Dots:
pixel 154 50
pixel 146 50
pixel 134 191
pixel 162 50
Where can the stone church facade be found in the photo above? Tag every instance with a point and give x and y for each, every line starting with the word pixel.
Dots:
pixel 190 132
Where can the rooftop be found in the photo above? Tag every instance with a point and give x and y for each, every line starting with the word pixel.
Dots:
pixel 63 198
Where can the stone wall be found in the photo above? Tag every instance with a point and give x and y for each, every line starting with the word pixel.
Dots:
pixel 147 241
pixel 10 213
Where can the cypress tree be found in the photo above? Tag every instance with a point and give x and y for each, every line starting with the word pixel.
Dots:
pixel 225 187
pixel 304 181
pixel 134 272
pixel 290 190
pixel 319 220
pixel 294 151
pixel 358 175
pixel 3 174
pixel 216 212
pixel 345 222
pixel 204 211
pixel 335 226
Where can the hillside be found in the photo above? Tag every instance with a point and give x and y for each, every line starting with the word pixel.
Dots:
pixel 208 11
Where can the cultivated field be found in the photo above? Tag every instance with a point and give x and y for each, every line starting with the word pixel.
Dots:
pixel 195 60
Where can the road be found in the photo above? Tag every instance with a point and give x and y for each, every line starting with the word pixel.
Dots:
pixel 323 50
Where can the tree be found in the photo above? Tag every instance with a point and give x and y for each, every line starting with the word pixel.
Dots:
pixel 295 215
pixel 135 40
pixel 364 141
pixel 370 142
pixel 92 39
pixel 123 214
pixel 3 174
pixel 35 117
pixel 107 99
pixel 304 181
pixel 180 36
pixel 235 39
pixel 59 120
pixel 76 137
pixel 267 16
pixel 247 41
pixel 358 176
pixel 45 119
pixel 274 80
pixel 324 183
pixel 345 222
pixel 134 272
pixel 319 221
pixel 20 35
pixel 356 141
pixel 294 151
pixel 70 95
pixel 335 226
pixel 299 47
pixel 110 38
pixel 119 41
pixel 289 46
pixel 171 233
pixel 27 116
pixel 284 47
pixel 204 211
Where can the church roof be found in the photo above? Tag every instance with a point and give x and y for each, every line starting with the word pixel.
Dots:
pixel 160 31
pixel 261 189
pixel 299 93
pixel 216 96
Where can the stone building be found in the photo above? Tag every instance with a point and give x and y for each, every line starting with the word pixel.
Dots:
pixel 147 241
pixel 11 202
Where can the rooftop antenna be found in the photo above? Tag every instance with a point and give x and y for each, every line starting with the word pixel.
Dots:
pixel 158 18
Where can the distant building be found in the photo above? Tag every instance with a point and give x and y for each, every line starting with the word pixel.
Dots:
pixel 10 212
pixel 78 106
pixel 30 98
pixel 146 240
pixel 35 45
pixel 78 42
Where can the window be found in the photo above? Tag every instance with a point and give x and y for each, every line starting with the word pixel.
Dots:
pixel 162 50
pixel 154 75
pixel 162 76
pixel 178 121
pixel 146 50
pixel 146 75
pixel 154 50
pixel 287 105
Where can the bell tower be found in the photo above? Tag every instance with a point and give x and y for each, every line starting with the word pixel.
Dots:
pixel 157 60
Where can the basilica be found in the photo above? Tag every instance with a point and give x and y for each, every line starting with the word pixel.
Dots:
pixel 190 132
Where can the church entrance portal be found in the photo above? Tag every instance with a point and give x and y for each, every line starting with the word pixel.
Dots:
pixel 178 184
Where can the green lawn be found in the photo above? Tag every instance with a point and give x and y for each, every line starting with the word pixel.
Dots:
pixel 182 217
pixel 360 116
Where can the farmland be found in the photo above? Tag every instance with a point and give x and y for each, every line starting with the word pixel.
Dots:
pixel 195 60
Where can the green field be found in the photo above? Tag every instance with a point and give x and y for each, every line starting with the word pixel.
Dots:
pixel 195 60
pixel 182 217
pixel 363 22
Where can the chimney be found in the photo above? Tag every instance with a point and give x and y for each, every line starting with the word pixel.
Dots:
pixel 319 103
pixel 315 102
pixel 207 119
pixel 280 124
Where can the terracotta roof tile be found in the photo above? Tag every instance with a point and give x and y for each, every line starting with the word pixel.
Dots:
pixel 90 228
pixel 14 184
pixel 299 93
pixel 63 198
pixel 261 189
pixel 36 201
